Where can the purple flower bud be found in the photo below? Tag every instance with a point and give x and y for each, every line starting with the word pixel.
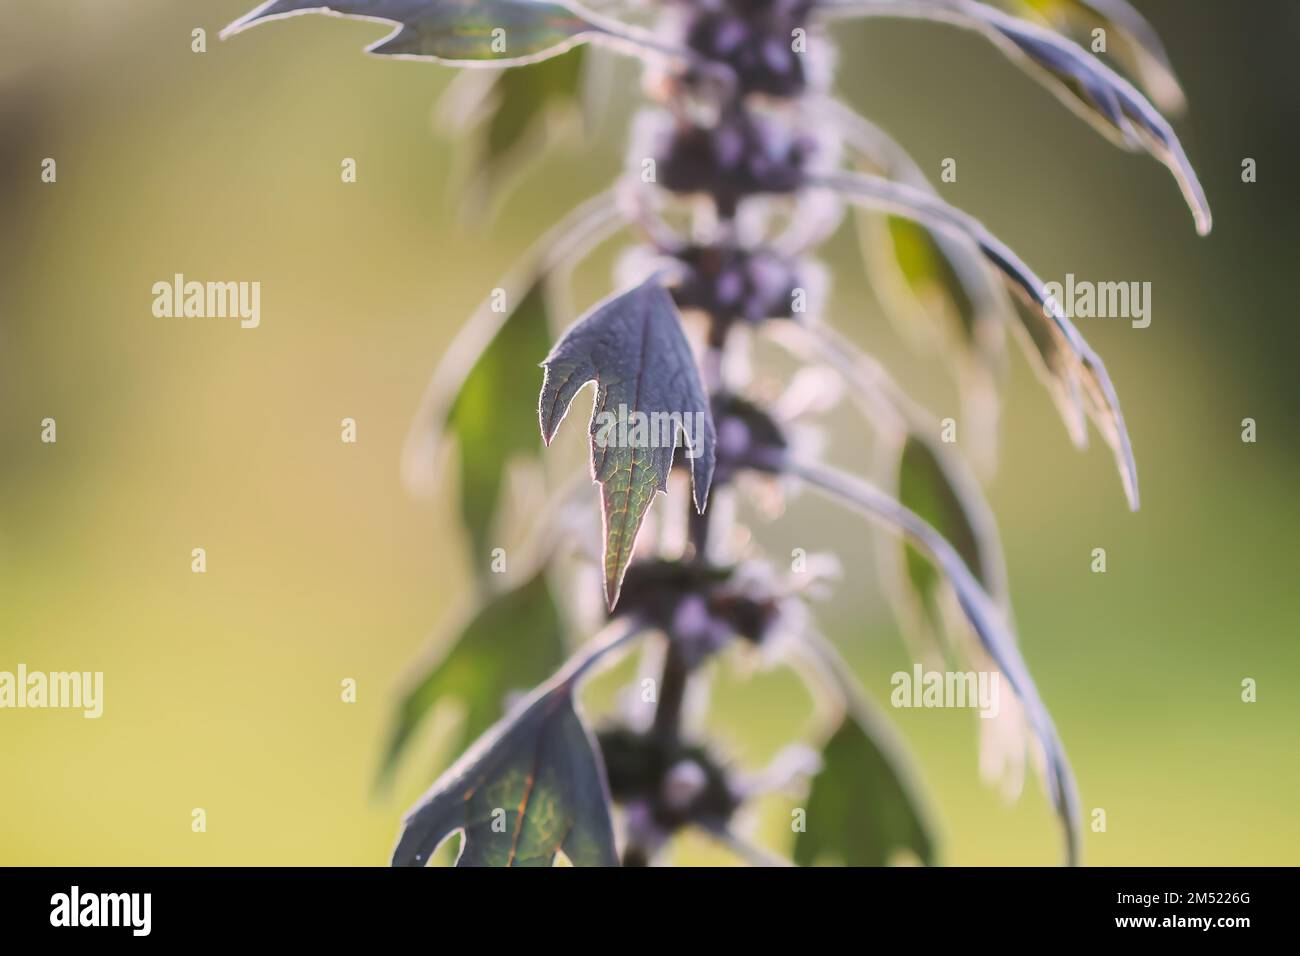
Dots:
pixel 729 287
pixel 728 146
pixel 776 56
pixel 733 438
pixel 730 35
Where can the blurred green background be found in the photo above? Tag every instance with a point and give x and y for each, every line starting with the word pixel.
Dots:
pixel 222 690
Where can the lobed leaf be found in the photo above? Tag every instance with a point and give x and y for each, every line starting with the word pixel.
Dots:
pixel 450 31
pixel 632 345
pixel 491 366
pixel 512 643
pixel 533 786
pixel 1078 377
pixel 1085 84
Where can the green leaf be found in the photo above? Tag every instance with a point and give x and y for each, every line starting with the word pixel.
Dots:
pixel 929 274
pixel 861 809
pixel 513 643
pixel 502 379
pixel 1082 82
pixel 927 486
pixel 522 97
pixel 922 272
pixel 929 280
pixel 531 787
pixel 1079 380
pixel 450 31
pixel 1130 39
pixel 1108 101
pixel 492 367
pixel 988 621
pixel 632 345
pixel 1052 358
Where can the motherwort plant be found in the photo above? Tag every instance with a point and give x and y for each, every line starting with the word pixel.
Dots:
pixel 743 166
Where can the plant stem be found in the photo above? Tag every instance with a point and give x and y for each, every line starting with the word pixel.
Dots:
pixel 672 693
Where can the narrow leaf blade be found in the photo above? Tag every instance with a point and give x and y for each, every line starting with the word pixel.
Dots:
pixel 1100 96
pixel 1082 82
pixel 1077 373
pixel 930 486
pixel 1130 39
pixel 986 619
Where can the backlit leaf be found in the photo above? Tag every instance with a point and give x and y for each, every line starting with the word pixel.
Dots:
pixel 932 281
pixel 1103 98
pixel 932 485
pixel 503 378
pixel 931 479
pixel 533 786
pixel 1081 81
pixel 450 31
pixel 1130 39
pixel 632 345
pixel 513 643
pixel 1077 374
pixel 491 367
pixel 987 620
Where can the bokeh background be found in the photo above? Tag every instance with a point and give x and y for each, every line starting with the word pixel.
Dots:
pixel 222 690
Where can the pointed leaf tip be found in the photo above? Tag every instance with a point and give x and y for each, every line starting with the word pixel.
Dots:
pixel 1077 377
pixel 649 400
pixel 1080 80
pixel 540 767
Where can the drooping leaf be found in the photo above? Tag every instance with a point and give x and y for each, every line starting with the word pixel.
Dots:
pixel 943 276
pixel 987 620
pixel 513 643
pixel 1053 360
pixel 531 787
pixel 931 485
pixel 859 810
pixel 1130 39
pixel 632 345
pixel 930 478
pixel 490 368
pixel 1093 90
pixel 1077 373
pixel 930 280
pixel 920 272
pixel 928 274
pixel 451 31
